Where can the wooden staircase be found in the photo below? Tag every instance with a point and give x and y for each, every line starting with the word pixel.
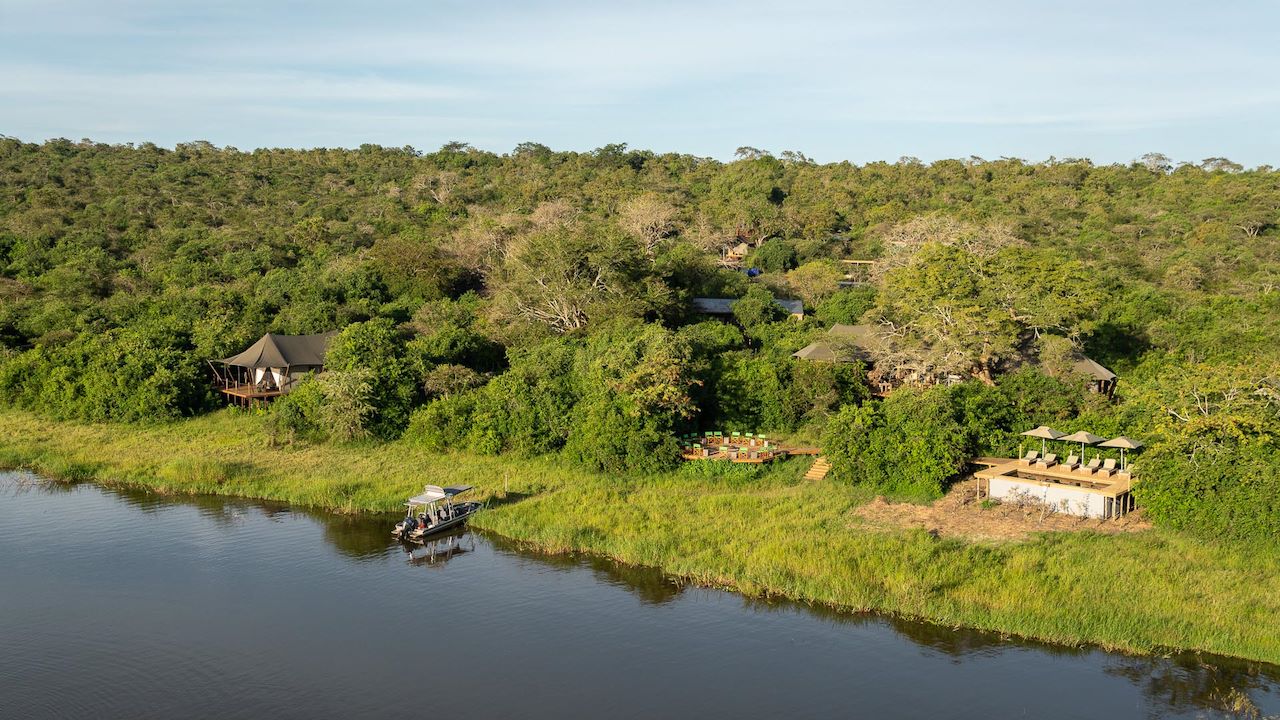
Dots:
pixel 818 469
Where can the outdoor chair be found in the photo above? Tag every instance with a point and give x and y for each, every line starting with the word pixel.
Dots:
pixel 1047 461
pixel 1108 468
pixel 1030 457
pixel 1071 463
pixel 1092 466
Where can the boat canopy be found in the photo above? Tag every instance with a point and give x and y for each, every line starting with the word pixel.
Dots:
pixel 435 493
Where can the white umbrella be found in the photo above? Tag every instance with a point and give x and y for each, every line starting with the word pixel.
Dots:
pixel 1123 443
pixel 1044 432
pixel 1084 438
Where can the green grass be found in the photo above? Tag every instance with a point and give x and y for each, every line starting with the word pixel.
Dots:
pixel 758 530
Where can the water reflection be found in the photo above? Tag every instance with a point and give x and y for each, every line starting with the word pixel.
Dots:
pixel 434 552
pixel 1192 681
pixel 650 585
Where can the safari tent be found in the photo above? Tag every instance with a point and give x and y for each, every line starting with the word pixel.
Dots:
pixel 272 366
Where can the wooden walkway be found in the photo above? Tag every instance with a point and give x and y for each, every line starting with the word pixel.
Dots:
pixel 819 469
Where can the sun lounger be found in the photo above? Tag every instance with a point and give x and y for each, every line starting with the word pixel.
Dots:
pixel 1071 463
pixel 1030 457
pixel 1092 466
pixel 1047 461
pixel 1108 468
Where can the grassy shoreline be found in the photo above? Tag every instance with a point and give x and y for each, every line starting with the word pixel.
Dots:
pixel 756 531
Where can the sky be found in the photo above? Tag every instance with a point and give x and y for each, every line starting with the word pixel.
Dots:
pixel 859 81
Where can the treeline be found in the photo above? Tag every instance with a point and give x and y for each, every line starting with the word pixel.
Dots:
pixel 540 301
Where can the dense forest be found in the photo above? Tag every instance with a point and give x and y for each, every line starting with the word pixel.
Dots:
pixel 539 302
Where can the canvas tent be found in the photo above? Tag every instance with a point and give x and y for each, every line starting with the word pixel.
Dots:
pixel 1104 381
pixel 272 361
pixel 845 343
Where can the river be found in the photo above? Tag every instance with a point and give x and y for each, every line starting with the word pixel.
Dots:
pixel 123 604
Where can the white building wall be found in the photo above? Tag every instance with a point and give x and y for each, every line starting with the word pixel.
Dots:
pixel 1063 498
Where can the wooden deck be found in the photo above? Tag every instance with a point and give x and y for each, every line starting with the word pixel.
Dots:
pixel 1115 489
pixel 738 449
pixel 1117 484
pixel 249 392
pixel 989 461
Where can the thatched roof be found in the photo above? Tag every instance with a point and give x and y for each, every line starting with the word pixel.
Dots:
pixel 1121 442
pixel 1045 432
pixel 1082 436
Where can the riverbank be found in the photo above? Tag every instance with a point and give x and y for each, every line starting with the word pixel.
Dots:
pixel 761 531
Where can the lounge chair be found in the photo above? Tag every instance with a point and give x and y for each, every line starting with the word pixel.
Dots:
pixel 1092 466
pixel 1108 468
pixel 1030 457
pixel 1071 463
pixel 1047 461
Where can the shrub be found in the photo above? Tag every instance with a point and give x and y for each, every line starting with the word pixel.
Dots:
pixel 443 424
pixel 774 255
pixel 846 306
pixel 910 444
pixel 348 403
pixel 373 350
pixel 296 416
pixel 1216 477
pixel 758 307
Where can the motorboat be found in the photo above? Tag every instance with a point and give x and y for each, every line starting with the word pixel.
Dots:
pixel 435 511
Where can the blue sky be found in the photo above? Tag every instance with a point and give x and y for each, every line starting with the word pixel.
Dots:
pixel 853 80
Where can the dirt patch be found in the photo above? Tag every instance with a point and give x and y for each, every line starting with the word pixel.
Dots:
pixel 960 514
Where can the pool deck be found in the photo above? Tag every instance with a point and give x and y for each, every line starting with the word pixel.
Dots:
pixel 1112 486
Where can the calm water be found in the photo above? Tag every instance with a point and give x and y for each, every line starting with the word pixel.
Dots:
pixel 126 605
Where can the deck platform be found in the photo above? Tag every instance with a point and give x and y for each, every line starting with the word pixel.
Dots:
pixel 1058 485
pixel 247 395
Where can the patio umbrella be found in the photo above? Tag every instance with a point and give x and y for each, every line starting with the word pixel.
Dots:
pixel 1084 438
pixel 1123 443
pixel 1044 432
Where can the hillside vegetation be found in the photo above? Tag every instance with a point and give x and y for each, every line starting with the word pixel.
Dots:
pixel 538 303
